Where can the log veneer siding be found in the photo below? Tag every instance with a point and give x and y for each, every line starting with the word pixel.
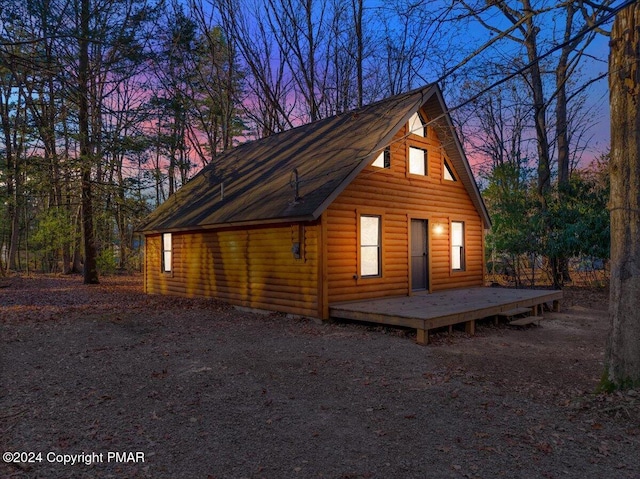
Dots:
pixel 252 267
pixel 398 197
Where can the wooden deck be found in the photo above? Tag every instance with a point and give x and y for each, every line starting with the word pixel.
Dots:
pixel 424 311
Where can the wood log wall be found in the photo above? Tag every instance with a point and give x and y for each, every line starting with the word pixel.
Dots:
pixel 252 267
pixel 398 197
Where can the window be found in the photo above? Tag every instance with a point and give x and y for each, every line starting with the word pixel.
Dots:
pixel 457 245
pixel 448 172
pixel 416 125
pixel 166 252
pixel 417 161
pixel 370 246
pixel 383 160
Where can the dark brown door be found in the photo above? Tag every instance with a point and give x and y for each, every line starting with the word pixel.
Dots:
pixel 419 256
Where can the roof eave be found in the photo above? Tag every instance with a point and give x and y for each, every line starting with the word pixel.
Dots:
pixel 252 223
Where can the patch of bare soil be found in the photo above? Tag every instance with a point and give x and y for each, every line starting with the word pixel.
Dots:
pixel 202 390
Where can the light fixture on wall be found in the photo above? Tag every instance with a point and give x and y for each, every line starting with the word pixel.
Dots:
pixel 438 229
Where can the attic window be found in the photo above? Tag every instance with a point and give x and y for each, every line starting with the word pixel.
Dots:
pixel 448 172
pixel 417 126
pixel 383 160
pixel 417 161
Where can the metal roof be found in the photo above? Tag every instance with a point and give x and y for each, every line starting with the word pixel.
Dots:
pixel 296 174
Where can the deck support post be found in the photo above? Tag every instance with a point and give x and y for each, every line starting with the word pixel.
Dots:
pixel 556 305
pixel 470 327
pixel 422 336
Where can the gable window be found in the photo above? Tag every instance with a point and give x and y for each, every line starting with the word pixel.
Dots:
pixel 457 245
pixel 370 246
pixel 383 160
pixel 166 252
pixel 448 172
pixel 416 125
pixel 417 161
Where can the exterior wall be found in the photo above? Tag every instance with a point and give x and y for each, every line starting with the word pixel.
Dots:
pixel 251 267
pixel 398 197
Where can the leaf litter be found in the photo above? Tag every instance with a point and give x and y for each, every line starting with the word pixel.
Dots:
pixel 205 390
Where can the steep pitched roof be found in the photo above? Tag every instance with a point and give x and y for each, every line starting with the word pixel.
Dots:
pixel 256 183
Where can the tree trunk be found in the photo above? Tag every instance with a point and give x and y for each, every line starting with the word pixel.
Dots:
pixel 561 272
pixel 539 107
pixel 12 174
pixel 90 260
pixel 77 247
pixel 623 347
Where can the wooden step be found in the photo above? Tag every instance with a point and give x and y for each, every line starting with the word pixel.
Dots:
pixel 513 312
pixel 526 320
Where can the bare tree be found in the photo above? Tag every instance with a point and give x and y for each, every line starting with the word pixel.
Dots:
pixel 497 126
pixel 267 101
pixel 300 28
pixel 358 28
pixel 217 83
pixel 526 34
pixel 547 99
pixel 108 46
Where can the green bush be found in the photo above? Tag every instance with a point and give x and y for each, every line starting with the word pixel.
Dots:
pixel 107 262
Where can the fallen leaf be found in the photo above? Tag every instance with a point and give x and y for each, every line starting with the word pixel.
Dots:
pixel 544 447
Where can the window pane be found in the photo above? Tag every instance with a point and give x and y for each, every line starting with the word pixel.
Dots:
pixel 417 161
pixel 369 261
pixel 379 162
pixel 448 174
pixel 167 261
pixel 456 257
pixel 416 125
pixel 369 230
pixel 456 233
pixel 383 160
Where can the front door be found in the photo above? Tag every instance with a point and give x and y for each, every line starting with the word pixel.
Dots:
pixel 419 256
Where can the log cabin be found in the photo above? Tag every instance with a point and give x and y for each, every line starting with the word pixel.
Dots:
pixel 375 202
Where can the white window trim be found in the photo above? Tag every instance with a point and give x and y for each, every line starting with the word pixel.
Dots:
pixel 411 165
pixel 377 246
pixel 457 247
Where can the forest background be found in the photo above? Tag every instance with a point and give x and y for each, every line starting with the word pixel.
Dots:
pixel 108 106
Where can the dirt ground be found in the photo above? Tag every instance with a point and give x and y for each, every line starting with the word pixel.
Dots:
pixel 198 389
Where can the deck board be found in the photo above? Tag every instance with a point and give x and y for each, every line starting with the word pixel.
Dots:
pixel 425 311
